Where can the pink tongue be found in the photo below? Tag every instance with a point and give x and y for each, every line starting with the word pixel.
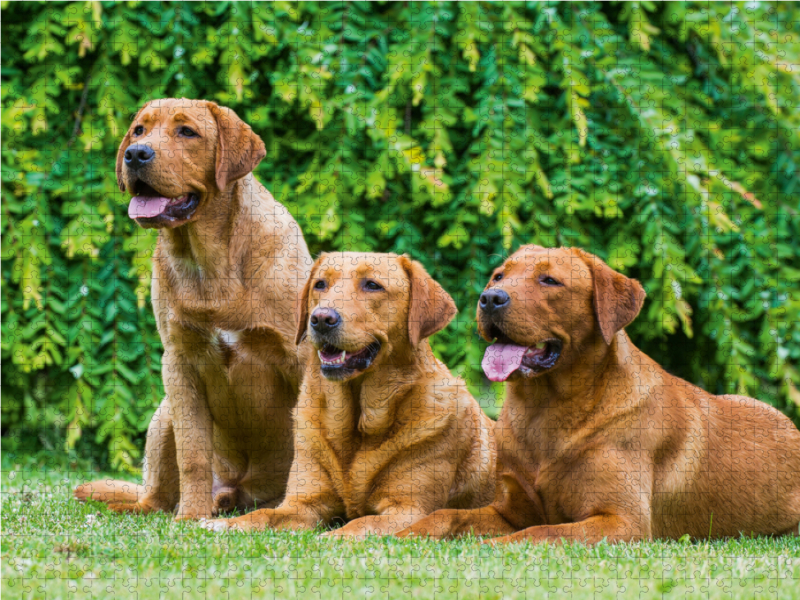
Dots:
pixel 501 360
pixel 146 207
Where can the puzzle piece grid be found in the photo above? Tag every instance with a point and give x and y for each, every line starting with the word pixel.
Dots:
pixel 289 565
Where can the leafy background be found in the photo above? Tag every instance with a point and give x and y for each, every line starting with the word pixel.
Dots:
pixel 662 137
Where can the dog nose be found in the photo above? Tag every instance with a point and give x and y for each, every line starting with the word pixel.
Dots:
pixel 492 300
pixel 138 155
pixel 324 320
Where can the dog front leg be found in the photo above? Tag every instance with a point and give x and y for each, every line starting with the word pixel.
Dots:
pixel 193 430
pixel 360 528
pixel 511 511
pixel 161 489
pixel 593 530
pixel 310 499
pixel 296 517
pixel 389 522
pixel 451 522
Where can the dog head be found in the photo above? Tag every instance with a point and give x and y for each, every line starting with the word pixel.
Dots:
pixel 543 306
pixel 178 154
pixel 359 310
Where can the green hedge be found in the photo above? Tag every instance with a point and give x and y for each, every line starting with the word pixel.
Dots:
pixel 662 137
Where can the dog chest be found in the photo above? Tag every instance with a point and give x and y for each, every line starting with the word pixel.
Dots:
pixel 242 368
pixel 259 346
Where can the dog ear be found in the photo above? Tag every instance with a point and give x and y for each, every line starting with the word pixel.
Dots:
pixel 431 307
pixel 617 299
pixel 126 141
pixel 301 309
pixel 239 149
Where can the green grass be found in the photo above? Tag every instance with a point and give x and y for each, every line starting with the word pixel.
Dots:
pixel 55 547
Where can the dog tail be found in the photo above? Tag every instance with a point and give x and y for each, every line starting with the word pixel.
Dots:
pixel 110 491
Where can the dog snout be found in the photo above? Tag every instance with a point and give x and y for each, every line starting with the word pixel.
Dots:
pixel 138 155
pixel 325 320
pixel 494 300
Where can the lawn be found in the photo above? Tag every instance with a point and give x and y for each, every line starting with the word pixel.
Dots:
pixel 54 547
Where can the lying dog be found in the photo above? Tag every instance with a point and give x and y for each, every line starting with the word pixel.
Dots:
pixel 227 271
pixel 596 440
pixel 385 434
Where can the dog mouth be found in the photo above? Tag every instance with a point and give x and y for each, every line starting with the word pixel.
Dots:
pixel 505 356
pixel 338 363
pixel 150 208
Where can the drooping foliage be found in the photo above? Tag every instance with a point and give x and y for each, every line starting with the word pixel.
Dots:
pixel 662 137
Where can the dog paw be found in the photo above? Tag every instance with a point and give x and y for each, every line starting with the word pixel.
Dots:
pixel 425 528
pixel 404 533
pixel 498 541
pixel 128 507
pixel 338 534
pixel 216 524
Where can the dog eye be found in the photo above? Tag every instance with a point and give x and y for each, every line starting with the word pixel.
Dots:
pixel 186 132
pixel 320 285
pixel 373 286
pixel 497 277
pixel 138 130
pixel 550 281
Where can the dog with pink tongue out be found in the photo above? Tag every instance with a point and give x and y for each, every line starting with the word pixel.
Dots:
pixel 596 440
pixel 228 268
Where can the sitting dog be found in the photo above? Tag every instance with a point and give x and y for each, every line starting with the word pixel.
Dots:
pixel 596 440
pixel 228 268
pixel 384 433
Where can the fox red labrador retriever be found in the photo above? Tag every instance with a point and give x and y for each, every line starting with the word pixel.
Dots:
pixel 596 440
pixel 385 433
pixel 227 271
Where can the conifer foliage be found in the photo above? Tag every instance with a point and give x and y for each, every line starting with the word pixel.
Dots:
pixel 662 137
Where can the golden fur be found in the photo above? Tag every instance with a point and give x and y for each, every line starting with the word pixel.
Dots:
pixel 606 444
pixel 225 283
pixel 383 446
